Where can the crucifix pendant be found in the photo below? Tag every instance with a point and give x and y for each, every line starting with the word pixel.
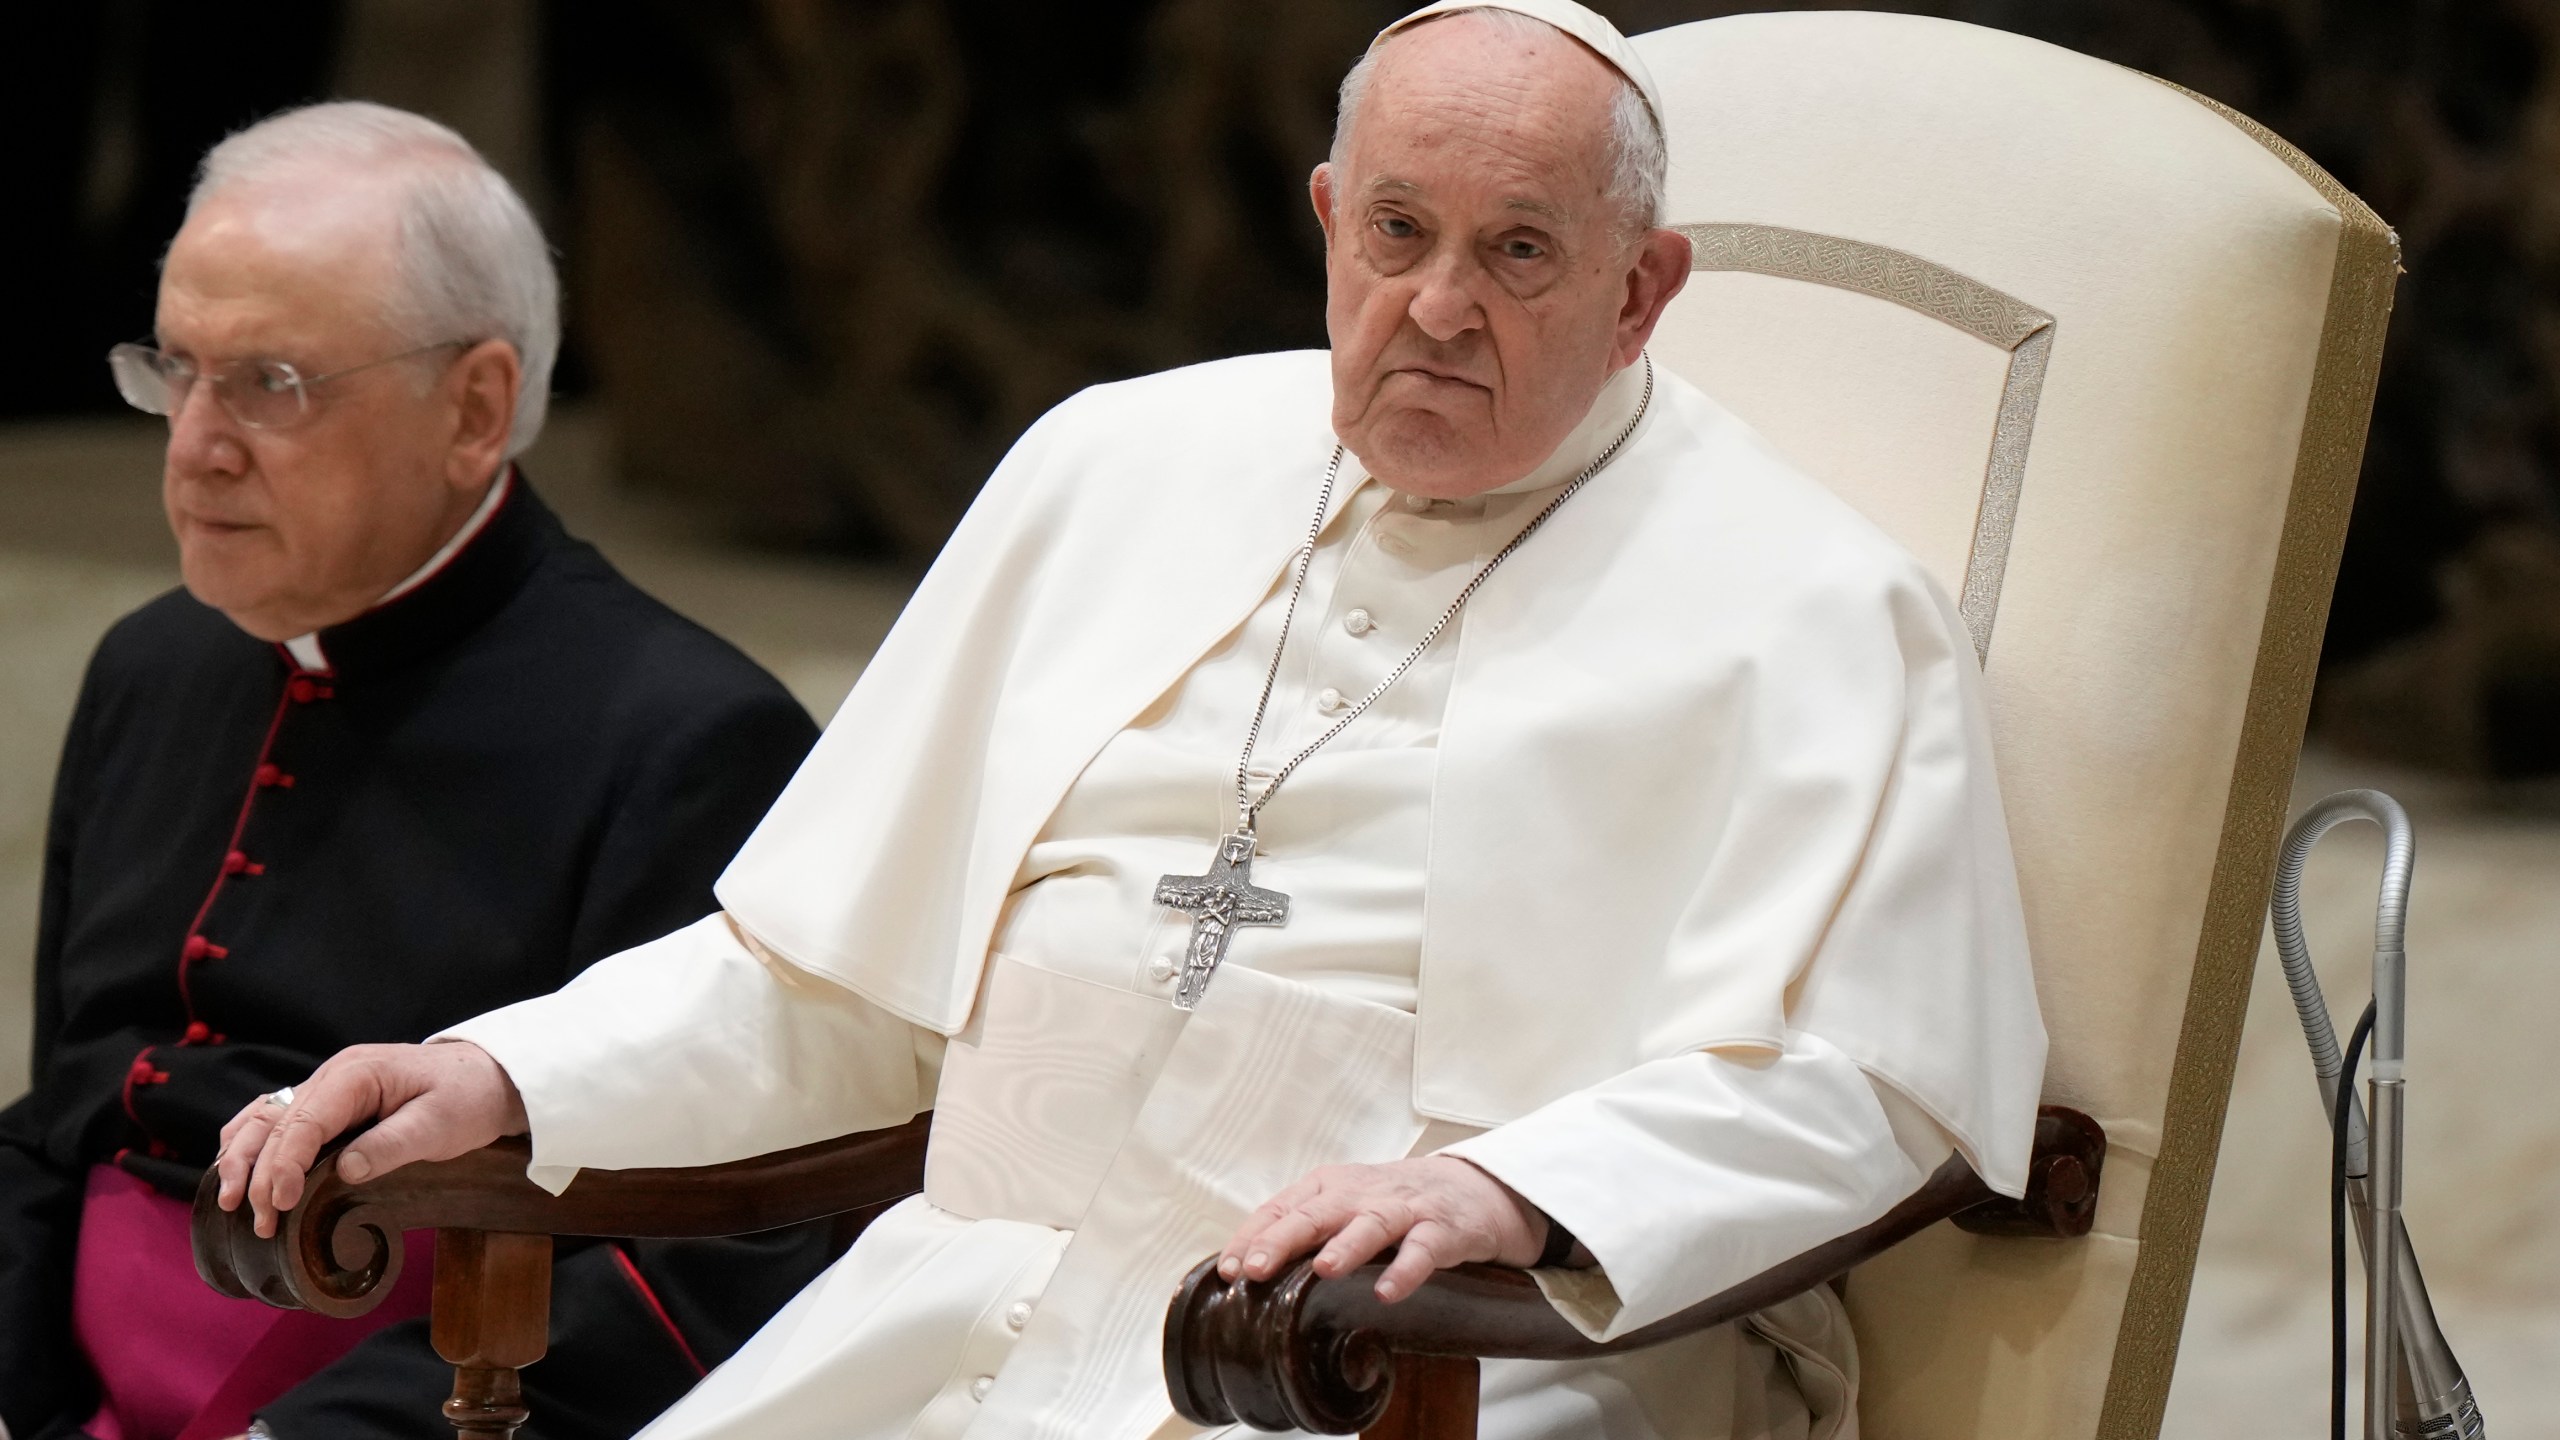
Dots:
pixel 1217 902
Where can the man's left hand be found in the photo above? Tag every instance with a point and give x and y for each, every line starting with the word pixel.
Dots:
pixel 1436 1210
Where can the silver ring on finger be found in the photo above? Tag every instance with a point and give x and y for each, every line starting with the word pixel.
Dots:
pixel 281 1099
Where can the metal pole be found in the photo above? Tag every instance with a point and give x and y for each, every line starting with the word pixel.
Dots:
pixel 2414 1389
pixel 2382 1275
pixel 2382 1281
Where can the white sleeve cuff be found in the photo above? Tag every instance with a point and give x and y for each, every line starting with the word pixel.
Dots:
pixel 692 1050
pixel 1684 1177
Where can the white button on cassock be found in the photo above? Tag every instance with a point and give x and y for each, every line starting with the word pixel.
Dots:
pixel 1018 1314
pixel 1359 622
pixel 1329 700
pixel 979 1387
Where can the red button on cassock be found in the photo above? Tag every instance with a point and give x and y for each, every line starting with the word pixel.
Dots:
pixel 234 863
pixel 199 948
pixel 198 1032
pixel 273 777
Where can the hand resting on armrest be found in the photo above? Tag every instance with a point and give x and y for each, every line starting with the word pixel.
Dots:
pixel 432 1102
pixel 1436 1210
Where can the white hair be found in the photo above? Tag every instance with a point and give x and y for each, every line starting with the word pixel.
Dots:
pixel 472 263
pixel 1638 158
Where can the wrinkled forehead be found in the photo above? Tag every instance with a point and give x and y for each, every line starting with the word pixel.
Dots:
pixel 1522 114
pixel 292 259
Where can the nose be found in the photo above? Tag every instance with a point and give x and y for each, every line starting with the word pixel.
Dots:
pixel 1444 304
pixel 204 441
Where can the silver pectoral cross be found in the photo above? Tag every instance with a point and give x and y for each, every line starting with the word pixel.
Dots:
pixel 1218 901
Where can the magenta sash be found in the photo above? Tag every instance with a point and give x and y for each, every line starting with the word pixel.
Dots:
pixel 174 1360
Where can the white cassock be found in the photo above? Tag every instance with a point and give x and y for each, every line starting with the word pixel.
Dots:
pixel 1671 887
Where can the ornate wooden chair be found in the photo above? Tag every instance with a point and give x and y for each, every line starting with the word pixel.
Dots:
pixel 2099 351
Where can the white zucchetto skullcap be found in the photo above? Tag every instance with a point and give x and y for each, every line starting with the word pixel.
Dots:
pixel 1587 26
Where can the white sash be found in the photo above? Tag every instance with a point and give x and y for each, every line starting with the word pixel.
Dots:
pixel 1270 1079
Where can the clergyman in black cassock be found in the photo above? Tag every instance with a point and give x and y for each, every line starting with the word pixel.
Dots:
pixel 521 766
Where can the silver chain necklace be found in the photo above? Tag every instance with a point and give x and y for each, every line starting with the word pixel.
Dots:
pixel 1224 896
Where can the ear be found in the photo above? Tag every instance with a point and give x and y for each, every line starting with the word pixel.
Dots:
pixel 1320 193
pixel 1655 273
pixel 483 388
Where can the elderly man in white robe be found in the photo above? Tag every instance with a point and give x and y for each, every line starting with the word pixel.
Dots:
pixel 1461 792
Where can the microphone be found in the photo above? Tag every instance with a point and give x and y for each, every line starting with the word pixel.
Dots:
pixel 2426 1394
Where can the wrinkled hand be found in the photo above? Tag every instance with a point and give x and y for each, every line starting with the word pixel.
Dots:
pixel 1437 1210
pixel 434 1101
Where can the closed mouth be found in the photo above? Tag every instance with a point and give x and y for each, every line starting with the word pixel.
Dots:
pixel 1441 376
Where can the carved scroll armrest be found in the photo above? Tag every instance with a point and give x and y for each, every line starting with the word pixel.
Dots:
pixel 1325 1356
pixel 338 1252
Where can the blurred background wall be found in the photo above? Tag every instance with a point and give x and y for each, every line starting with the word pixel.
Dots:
pixel 826 258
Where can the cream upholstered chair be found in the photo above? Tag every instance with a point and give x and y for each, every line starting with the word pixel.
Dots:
pixel 2100 352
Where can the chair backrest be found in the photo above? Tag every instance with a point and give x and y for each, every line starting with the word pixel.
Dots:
pixel 2100 352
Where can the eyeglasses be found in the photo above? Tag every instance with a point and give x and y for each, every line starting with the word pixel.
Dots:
pixel 260 394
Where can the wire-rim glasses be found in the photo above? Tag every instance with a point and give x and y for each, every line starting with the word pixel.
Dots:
pixel 259 394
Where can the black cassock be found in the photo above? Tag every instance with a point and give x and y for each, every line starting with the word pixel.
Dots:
pixel 514 770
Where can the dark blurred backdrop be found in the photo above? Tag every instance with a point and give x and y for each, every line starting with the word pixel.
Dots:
pixel 825 258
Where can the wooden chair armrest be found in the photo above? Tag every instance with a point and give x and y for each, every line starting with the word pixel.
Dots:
pixel 338 1252
pixel 1301 1353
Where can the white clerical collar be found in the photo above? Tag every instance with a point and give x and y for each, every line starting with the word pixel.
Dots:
pixel 1610 411
pixel 305 649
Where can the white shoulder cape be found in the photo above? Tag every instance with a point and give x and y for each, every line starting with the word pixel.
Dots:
pixel 1714 765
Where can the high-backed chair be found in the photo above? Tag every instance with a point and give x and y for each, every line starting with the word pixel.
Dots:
pixel 2100 352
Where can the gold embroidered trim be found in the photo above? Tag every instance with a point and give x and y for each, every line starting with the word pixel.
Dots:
pixel 1942 294
pixel 2306 570
pixel 1905 279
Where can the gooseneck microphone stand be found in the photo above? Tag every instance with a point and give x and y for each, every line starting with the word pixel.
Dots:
pixel 2413 1389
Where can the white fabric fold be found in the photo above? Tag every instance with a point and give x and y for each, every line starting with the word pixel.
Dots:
pixel 1271 1079
pixel 694 1050
pixel 886 1344
pixel 1687 1176
pixel 1038 1094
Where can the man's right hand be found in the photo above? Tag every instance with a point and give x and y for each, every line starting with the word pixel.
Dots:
pixel 434 1101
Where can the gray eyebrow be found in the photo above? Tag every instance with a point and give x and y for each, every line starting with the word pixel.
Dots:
pixel 1513 202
